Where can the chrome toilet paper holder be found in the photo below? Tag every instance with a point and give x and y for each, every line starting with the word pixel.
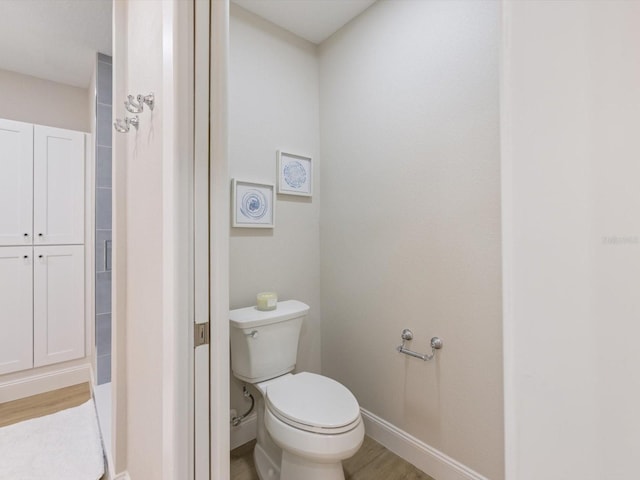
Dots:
pixel 407 335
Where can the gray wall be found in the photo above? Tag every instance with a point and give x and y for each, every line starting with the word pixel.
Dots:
pixel 34 100
pixel 103 216
pixel 410 224
pixel 274 105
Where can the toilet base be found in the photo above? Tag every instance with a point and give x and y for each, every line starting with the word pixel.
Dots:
pixel 267 470
pixel 295 468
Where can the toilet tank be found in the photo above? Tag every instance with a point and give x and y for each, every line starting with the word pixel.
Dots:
pixel 264 345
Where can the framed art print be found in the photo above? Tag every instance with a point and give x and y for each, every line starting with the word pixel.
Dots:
pixel 295 174
pixel 252 204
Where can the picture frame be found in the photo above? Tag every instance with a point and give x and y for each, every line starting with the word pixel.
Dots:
pixel 253 204
pixel 295 174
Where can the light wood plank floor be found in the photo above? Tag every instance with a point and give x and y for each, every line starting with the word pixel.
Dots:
pixel 372 462
pixel 43 404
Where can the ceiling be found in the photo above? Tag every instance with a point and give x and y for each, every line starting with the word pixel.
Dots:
pixel 54 39
pixel 313 20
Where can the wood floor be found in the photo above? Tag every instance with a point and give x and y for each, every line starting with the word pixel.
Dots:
pixel 372 462
pixel 43 404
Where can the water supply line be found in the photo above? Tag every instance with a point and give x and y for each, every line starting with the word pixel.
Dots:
pixel 237 420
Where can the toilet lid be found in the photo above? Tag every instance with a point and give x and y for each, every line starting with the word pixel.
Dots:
pixel 313 403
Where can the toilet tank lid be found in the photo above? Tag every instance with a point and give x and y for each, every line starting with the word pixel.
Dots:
pixel 250 317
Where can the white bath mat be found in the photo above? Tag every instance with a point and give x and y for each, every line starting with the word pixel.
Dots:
pixel 63 446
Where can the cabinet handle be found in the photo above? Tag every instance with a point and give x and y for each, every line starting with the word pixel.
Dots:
pixel 26 234
pixel 40 235
pixel 26 256
pixel 40 256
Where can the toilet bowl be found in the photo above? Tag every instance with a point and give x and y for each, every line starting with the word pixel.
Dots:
pixel 307 423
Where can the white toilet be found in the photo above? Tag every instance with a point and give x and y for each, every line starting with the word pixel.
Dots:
pixel 307 423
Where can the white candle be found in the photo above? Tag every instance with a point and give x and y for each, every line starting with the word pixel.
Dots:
pixel 267 301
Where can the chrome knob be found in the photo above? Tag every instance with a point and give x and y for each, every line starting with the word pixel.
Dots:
pixel 252 334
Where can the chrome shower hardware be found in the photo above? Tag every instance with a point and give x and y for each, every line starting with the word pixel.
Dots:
pixel 123 126
pixel 407 335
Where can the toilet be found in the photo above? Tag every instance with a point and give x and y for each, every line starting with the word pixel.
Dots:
pixel 307 423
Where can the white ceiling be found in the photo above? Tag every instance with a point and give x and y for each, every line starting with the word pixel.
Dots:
pixel 313 20
pixel 54 39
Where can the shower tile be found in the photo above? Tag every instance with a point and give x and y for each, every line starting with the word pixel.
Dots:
pixel 103 334
pixel 103 209
pixel 103 126
pixel 103 292
pixel 104 83
pixel 103 167
pixel 104 369
pixel 105 58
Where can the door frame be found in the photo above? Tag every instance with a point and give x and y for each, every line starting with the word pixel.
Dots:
pixel 220 206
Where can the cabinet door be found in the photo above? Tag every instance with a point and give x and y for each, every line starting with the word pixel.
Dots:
pixel 58 186
pixel 58 302
pixel 16 308
pixel 16 183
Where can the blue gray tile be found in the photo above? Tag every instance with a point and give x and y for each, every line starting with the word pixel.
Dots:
pixel 103 209
pixel 105 58
pixel 103 167
pixel 103 125
pixel 103 334
pixel 104 83
pixel 104 369
pixel 103 292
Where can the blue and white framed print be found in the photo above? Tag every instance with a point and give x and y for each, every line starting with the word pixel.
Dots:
pixel 252 204
pixel 295 174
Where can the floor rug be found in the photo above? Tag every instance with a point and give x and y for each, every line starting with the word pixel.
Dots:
pixel 63 446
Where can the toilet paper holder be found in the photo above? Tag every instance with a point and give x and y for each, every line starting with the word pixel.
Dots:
pixel 407 335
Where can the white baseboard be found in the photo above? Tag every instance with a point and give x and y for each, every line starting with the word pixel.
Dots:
pixel 431 461
pixel 44 382
pixel 245 432
pixel 122 476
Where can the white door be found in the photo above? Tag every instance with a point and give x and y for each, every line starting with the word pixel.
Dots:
pixel 201 239
pixel 58 186
pixel 16 183
pixel 58 302
pixel 16 309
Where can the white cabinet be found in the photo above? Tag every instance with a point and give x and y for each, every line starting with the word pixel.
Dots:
pixel 16 183
pixel 58 186
pixel 16 308
pixel 42 257
pixel 58 304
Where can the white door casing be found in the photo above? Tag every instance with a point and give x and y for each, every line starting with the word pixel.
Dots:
pixel 58 303
pixel 58 186
pixel 16 308
pixel 16 183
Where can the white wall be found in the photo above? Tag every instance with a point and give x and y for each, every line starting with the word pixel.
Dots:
pixel 152 325
pixel 410 223
pixel 273 105
pixel 34 100
pixel 572 239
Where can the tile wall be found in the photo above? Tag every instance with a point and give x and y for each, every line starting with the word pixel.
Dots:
pixel 103 216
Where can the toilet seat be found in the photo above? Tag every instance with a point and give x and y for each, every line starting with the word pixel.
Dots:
pixel 313 403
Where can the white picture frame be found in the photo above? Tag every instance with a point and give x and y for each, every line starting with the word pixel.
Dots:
pixel 295 174
pixel 253 204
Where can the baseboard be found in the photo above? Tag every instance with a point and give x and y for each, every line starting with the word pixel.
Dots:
pixel 44 382
pixel 245 432
pixel 428 459
pixel 122 476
